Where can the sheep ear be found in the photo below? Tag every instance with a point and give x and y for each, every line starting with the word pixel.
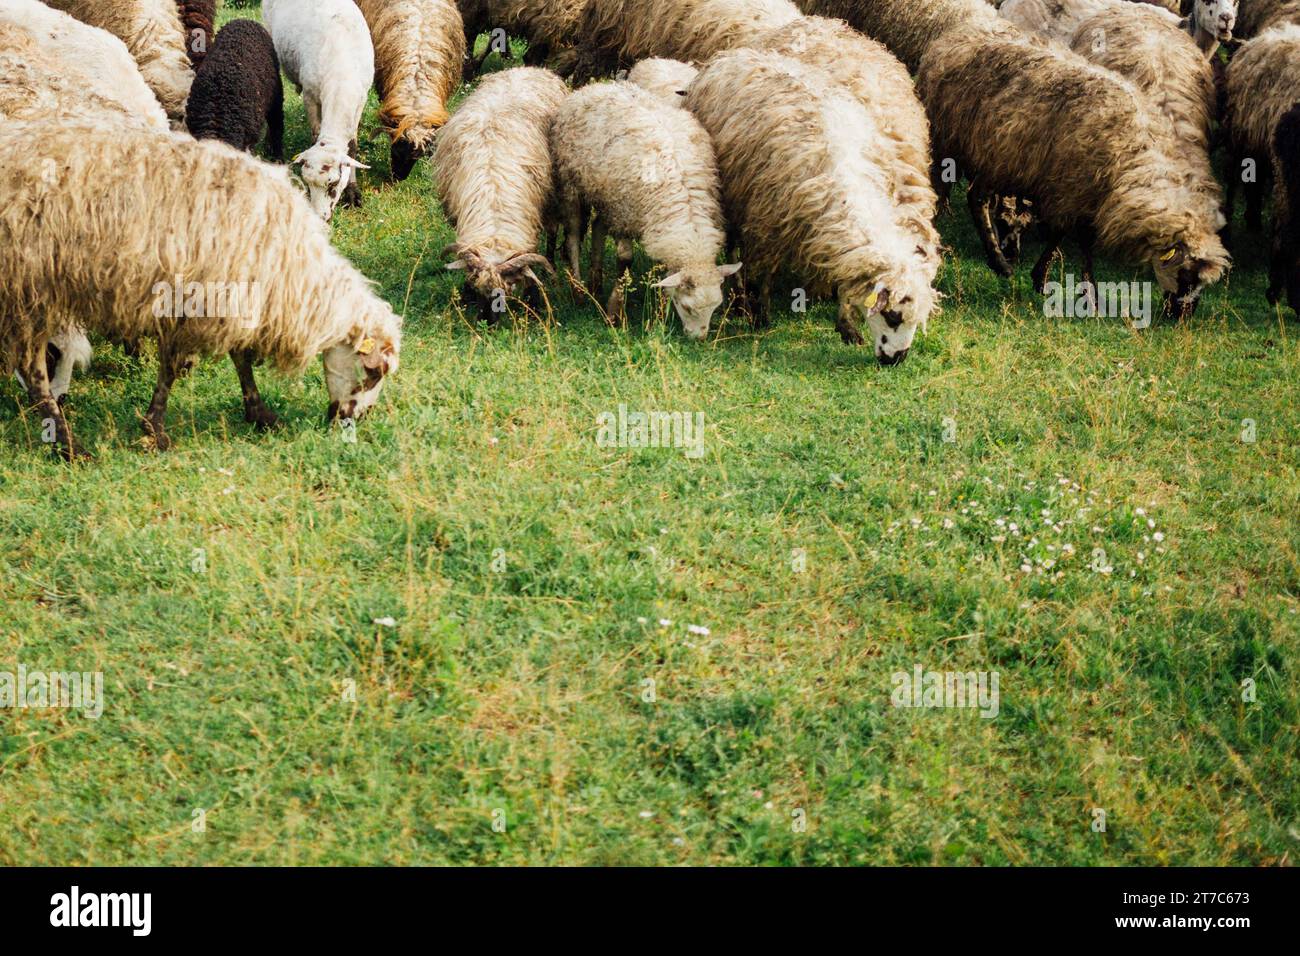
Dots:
pixel 730 269
pixel 458 264
pixel 669 282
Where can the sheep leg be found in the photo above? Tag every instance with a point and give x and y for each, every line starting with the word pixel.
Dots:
pixel 275 125
pixel 352 192
pixel 848 329
pixel 1087 238
pixel 1044 263
pixel 171 365
pixel 1254 205
pixel 596 265
pixel 36 374
pixel 617 298
pixel 980 203
pixel 573 232
pixel 256 411
pixel 1233 170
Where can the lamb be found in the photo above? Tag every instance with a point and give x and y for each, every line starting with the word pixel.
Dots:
pixel 883 87
pixel 1261 88
pixel 140 232
pixel 906 27
pixel 198 17
pixel 666 79
pixel 617 33
pixel 1210 23
pixel 419 52
pixel 325 49
pixel 1103 159
pixel 98 59
pixel 496 180
pixel 237 91
pixel 802 183
pixel 648 171
pixel 152 31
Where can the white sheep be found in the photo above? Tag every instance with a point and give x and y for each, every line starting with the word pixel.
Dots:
pixel 155 34
pixel 647 170
pixel 803 182
pixel 324 47
pixel 666 79
pixel 149 233
pixel 97 58
pixel 496 181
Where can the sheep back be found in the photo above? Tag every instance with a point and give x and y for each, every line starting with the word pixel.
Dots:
pixel 237 87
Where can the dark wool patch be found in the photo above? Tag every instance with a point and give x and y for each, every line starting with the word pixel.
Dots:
pixel 199 17
pixel 238 90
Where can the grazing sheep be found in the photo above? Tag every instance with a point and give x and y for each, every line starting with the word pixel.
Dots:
pixel 666 79
pixel 1262 89
pixel 100 61
pixel 237 91
pixel 324 48
pixel 884 88
pixel 1029 118
pixel 648 171
pixel 1210 23
pixel 419 56
pixel 551 27
pixel 617 33
pixel 152 31
pixel 198 17
pixel 803 185
pixel 906 27
pixel 496 180
pixel 147 233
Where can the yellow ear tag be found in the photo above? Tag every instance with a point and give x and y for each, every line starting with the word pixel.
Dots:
pixel 872 300
pixel 366 347
pixel 1169 255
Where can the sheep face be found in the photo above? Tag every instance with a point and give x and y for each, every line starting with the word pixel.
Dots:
pixel 355 370
pixel 1216 18
pixel 696 292
pixel 494 280
pixel 326 171
pixel 892 316
pixel 1183 274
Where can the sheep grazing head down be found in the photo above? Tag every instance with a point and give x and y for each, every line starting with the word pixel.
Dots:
pixel 355 369
pixel 491 279
pixel 1216 18
pixel 326 171
pixel 1183 273
pixel 696 292
pixel 893 312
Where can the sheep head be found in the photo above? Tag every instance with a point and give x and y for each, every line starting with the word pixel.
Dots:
pixel 1215 18
pixel 893 306
pixel 492 279
pixel 696 293
pixel 1184 269
pixel 355 368
pixel 326 170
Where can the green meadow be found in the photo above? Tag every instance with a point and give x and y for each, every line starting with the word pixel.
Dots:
pixel 476 634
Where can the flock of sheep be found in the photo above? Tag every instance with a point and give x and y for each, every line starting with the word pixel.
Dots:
pixel 814 140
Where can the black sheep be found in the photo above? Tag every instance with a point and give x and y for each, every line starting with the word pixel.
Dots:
pixel 237 90
pixel 1284 265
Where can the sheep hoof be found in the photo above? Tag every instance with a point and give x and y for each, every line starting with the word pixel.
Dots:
pixel 73 454
pixel 154 436
pixel 260 417
pixel 849 332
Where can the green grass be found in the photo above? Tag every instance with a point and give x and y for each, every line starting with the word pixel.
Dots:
pixel 520 690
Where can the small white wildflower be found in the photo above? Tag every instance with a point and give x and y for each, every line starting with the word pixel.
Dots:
pixel 384 621
pixel 698 629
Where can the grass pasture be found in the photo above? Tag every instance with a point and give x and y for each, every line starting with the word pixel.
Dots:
pixel 845 522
